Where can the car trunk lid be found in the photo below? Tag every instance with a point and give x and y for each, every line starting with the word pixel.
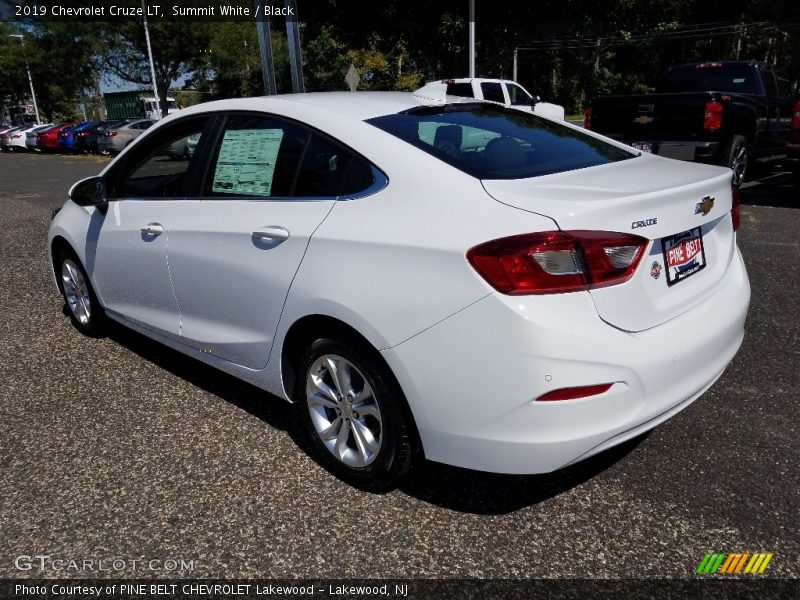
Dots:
pixel 682 209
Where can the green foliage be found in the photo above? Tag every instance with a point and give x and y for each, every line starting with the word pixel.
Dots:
pixel 572 49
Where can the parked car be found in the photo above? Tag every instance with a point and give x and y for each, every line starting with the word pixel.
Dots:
pixel 729 113
pixel 502 91
pixel 514 307
pixel 6 136
pixel 18 139
pixel 66 138
pixel 115 140
pixel 183 148
pixel 47 140
pixel 86 139
pixel 31 137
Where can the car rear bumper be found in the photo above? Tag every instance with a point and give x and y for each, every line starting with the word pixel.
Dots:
pixel 477 374
pixel 691 151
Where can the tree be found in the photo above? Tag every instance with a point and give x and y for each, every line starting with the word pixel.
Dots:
pixel 177 47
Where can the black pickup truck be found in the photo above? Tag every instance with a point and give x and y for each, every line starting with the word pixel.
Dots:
pixel 729 113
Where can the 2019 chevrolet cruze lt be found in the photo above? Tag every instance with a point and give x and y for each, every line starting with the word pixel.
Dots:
pixel 458 281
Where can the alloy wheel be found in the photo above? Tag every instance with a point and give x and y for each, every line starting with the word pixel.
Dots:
pixel 344 410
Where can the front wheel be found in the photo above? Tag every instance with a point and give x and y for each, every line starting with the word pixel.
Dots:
pixel 737 157
pixel 351 409
pixel 82 305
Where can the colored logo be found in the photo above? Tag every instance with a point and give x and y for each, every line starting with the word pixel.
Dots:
pixel 730 564
pixel 655 270
pixel 704 206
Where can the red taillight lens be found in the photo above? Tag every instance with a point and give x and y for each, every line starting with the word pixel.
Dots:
pixel 557 261
pixel 735 216
pixel 712 118
pixel 573 393
pixel 111 133
pixel 794 128
pixel 587 118
pixel 82 134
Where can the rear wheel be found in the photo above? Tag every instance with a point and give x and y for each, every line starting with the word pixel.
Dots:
pixel 350 406
pixel 81 302
pixel 737 157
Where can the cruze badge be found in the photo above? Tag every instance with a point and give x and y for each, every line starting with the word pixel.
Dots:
pixel 644 223
pixel 704 206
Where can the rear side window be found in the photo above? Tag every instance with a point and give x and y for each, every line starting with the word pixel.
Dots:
pixel 463 90
pixel 493 92
pixel 494 142
pixel 270 157
pixel 709 77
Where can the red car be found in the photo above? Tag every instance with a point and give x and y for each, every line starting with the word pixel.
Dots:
pixel 47 140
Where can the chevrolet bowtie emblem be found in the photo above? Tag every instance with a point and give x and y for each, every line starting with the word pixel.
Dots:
pixel 643 120
pixel 704 206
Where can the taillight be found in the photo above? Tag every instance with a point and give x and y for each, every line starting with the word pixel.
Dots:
pixel 82 134
pixel 557 261
pixel 587 118
pixel 573 393
pixel 111 133
pixel 735 214
pixel 712 118
pixel 794 127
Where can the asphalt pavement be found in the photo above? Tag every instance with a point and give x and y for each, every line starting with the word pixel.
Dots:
pixel 119 448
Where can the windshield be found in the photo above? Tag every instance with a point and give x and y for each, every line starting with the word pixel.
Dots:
pixel 492 142
pixel 709 77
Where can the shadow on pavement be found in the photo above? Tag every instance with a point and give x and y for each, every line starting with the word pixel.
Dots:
pixel 454 488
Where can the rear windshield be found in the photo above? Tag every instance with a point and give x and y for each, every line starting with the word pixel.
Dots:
pixel 709 77
pixel 493 142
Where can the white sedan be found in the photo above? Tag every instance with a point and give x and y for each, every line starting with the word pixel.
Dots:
pixel 461 282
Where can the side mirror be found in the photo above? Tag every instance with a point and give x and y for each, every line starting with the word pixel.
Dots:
pixel 89 192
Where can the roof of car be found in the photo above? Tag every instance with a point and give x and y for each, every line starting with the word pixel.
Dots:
pixel 354 105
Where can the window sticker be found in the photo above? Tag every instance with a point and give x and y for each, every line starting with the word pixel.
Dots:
pixel 246 163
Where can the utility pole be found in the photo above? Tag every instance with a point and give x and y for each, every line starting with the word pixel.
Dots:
pixel 293 41
pixel 472 39
pixel 30 79
pixel 265 50
pixel 152 64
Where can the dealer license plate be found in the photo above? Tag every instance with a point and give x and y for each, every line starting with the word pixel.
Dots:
pixel 642 146
pixel 683 255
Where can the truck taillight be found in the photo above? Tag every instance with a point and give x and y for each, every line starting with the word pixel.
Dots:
pixel 557 261
pixel 794 127
pixel 735 214
pixel 712 118
pixel 587 118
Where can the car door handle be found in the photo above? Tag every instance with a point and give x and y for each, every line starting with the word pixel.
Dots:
pixel 271 234
pixel 152 229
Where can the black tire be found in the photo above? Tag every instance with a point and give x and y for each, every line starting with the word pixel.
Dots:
pixel 395 455
pixel 92 322
pixel 737 157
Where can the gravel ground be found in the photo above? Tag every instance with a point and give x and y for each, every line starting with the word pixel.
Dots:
pixel 119 448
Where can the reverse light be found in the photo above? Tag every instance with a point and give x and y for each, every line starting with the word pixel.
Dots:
pixel 735 213
pixel 573 393
pixel 557 261
pixel 712 118
pixel 587 118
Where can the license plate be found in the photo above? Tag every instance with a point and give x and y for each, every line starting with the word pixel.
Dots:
pixel 683 255
pixel 642 146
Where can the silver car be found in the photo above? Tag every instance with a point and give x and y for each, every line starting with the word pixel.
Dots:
pixel 114 140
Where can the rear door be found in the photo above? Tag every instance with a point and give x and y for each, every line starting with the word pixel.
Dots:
pixel 234 251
